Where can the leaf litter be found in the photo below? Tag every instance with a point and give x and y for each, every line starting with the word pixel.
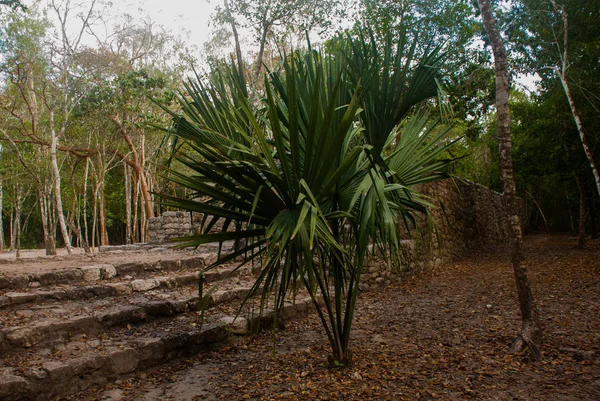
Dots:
pixel 440 335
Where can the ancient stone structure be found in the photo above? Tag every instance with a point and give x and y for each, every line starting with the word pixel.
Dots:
pixel 169 225
pixel 465 216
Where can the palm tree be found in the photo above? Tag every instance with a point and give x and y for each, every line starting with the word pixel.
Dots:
pixel 316 177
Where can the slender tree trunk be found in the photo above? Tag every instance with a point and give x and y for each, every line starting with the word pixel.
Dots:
pixel 57 188
pixel 531 332
pixel 582 211
pixel 238 47
pixel 11 239
pixel 49 243
pixel 263 41
pixel 561 72
pixel 85 200
pixel 95 218
pixel 137 164
pixel 128 235
pixel 135 208
pixel 102 213
pixel 17 225
pixel 580 129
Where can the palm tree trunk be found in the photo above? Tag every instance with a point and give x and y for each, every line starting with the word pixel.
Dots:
pixel 531 332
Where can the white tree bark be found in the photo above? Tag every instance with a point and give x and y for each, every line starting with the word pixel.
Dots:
pixel 561 73
pixel 57 184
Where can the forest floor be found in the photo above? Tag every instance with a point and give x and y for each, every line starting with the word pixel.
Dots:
pixel 443 334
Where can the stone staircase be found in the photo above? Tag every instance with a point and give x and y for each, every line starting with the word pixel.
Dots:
pixel 64 331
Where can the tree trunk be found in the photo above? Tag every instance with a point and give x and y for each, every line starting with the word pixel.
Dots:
pixel 582 211
pixel 263 40
pixel 84 211
pixel 531 332
pixel 102 213
pixel 17 222
pixel 49 243
pixel 561 72
pixel 57 188
pixel 137 165
pixel 580 129
pixel 128 235
pixel 238 47
pixel 135 208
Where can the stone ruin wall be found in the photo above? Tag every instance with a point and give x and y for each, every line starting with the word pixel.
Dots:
pixel 468 216
pixel 169 225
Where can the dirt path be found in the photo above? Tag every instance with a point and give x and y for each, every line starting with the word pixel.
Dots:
pixel 442 335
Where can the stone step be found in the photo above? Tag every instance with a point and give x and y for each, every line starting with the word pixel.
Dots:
pixel 44 325
pixel 115 286
pixel 78 364
pixel 103 272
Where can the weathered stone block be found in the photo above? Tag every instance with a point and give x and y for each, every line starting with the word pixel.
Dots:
pixel 13 387
pixel 214 333
pixel 123 314
pixel 144 285
pixel 123 361
pixel 91 273
pixel 151 350
pixel 121 288
pixel 59 372
pixel 87 364
pixel 108 272
pixel 235 325
pixel 17 298
pixel 158 308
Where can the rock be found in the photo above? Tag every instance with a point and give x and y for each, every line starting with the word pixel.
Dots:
pixel 13 387
pixel 235 325
pixel 21 337
pixel 158 308
pixel 122 315
pixel 87 364
pixel 177 341
pixel 58 371
pixel 151 351
pixel 17 298
pixel 123 361
pixel 91 273
pixel 121 288
pixel 35 284
pixel 158 250
pixel 213 333
pixel 108 272
pixel 144 285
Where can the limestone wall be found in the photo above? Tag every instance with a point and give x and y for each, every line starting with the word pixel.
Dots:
pixel 169 225
pixel 467 216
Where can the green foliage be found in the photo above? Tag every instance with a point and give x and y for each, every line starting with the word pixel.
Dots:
pixel 313 174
